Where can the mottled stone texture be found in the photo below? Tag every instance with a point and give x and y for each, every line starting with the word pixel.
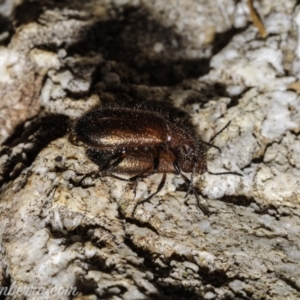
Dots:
pixel 201 64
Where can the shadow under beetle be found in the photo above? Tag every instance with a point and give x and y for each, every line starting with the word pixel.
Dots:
pixel 140 143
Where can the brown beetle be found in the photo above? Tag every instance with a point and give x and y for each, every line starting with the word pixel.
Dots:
pixel 140 143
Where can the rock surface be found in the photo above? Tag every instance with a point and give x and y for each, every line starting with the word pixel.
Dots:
pixel 66 229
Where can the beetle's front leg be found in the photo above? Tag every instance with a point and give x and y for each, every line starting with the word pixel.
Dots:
pixel 160 186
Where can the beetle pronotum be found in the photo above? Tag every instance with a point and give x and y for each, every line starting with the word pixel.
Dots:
pixel 140 143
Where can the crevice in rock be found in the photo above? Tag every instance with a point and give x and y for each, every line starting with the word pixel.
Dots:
pixel 290 281
pixel 5 286
pixel 238 200
pixel 37 134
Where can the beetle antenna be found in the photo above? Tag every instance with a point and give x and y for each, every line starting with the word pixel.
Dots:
pixel 220 131
pixel 210 142
pixel 225 173
pixel 212 146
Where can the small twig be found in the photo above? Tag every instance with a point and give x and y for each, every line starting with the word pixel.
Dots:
pixel 256 20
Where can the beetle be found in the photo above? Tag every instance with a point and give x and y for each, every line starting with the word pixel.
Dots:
pixel 140 143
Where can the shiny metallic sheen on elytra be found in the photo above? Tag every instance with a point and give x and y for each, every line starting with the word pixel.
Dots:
pixel 120 127
pixel 140 143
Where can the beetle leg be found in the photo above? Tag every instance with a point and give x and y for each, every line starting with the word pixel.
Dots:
pixel 140 176
pixel 160 186
pixel 188 182
pixel 225 173
pixel 73 139
pixel 201 206
pixel 191 180
pixel 176 167
pixel 119 178
pixel 190 186
pixel 119 158
pixel 133 178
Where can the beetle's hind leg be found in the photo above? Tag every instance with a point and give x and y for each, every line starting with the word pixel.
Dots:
pixel 133 178
pixel 116 160
pixel 159 188
pixel 106 160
